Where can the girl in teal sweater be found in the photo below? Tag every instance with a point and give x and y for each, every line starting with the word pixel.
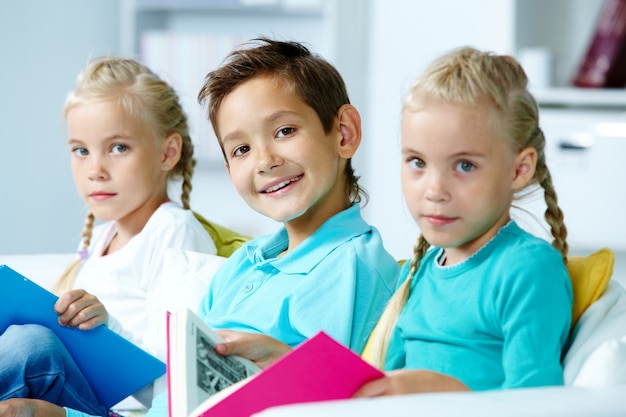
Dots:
pixel 485 305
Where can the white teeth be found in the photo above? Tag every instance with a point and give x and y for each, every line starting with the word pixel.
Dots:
pixel 281 185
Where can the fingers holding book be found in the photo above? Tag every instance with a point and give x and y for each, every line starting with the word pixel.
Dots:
pixel 260 349
pixel 78 308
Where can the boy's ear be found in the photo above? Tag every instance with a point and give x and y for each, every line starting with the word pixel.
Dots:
pixel 525 164
pixel 350 128
pixel 172 151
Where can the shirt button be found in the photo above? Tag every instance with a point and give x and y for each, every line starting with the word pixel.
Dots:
pixel 247 287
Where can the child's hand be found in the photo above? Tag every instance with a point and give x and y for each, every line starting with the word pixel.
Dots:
pixel 26 407
pixel 260 349
pixel 410 381
pixel 78 308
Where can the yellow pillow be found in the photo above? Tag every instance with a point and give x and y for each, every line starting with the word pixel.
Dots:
pixel 226 241
pixel 589 274
pixel 366 354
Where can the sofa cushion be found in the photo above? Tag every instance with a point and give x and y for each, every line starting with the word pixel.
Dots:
pixel 590 276
pixel 226 240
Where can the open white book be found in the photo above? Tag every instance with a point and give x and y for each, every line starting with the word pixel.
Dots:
pixel 203 383
pixel 200 372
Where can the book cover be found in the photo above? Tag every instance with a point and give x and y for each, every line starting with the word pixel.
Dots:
pixel 604 64
pixel 114 367
pixel 319 369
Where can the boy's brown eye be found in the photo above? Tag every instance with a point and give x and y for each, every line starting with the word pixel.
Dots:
pixel 285 131
pixel 240 150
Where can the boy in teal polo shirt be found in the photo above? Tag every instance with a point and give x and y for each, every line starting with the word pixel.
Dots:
pixel 288 133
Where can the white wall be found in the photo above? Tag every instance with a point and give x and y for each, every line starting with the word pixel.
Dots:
pixel 43 45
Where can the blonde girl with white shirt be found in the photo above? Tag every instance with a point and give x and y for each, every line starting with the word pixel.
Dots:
pixel 128 136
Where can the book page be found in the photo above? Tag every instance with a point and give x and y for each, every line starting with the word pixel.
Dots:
pixel 215 372
pixel 219 396
pixel 195 371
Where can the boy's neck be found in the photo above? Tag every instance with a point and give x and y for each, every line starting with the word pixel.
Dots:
pixel 299 229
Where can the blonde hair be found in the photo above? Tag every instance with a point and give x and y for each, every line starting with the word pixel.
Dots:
pixel 147 99
pixel 471 77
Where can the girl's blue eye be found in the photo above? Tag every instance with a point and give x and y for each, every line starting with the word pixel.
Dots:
pixel 119 148
pixel 465 166
pixel 417 163
pixel 240 150
pixel 285 131
pixel 80 151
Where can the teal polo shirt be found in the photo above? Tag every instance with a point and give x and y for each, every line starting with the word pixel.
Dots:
pixel 338 280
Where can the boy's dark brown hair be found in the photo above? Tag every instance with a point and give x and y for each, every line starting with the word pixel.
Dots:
pixel 313 79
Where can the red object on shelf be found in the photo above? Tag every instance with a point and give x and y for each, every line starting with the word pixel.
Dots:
pixel 604 64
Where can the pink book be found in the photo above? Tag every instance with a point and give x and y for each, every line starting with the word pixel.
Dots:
pixel 319 369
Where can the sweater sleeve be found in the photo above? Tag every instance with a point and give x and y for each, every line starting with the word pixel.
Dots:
pixel 535 310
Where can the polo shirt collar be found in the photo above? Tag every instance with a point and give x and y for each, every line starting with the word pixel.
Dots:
pixel 337 230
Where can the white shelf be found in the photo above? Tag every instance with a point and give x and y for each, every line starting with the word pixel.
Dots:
pixel 258 7
pixel 581 97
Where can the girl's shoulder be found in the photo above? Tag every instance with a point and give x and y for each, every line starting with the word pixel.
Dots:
pixel 171 216
pixel 178 227
pixel 531 259
pixel 171 212
pixel 525 245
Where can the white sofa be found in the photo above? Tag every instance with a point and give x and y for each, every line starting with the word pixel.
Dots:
pixel 594 368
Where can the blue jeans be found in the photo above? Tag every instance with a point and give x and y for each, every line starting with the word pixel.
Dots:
pixel 35 364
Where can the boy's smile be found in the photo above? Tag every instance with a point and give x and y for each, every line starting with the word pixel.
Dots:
pixel 278 156
pixel 281 185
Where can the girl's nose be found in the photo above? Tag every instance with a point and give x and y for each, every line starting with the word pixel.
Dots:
pixel 97 168
pixel 436 189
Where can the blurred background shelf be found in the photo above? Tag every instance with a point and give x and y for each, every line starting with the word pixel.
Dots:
pixel 581 97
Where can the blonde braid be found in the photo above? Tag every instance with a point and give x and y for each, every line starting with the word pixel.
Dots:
pixel 388 319
pixel 554 215
pixel 187 164
pixel 67 278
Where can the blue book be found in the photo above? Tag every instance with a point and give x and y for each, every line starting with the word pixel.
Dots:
pixel 114 367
